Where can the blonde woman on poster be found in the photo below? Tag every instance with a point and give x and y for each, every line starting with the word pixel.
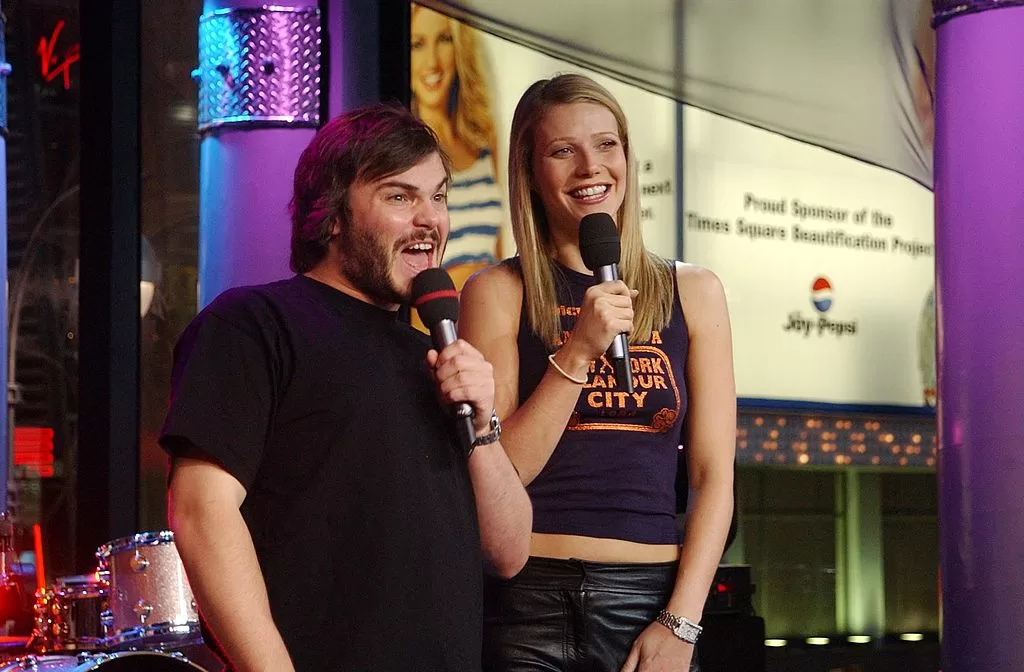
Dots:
pixel 450 93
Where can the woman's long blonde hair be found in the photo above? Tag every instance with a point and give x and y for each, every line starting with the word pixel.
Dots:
pixel 638 268
pixel 471 112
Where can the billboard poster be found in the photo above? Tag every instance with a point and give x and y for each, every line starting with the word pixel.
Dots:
pixel 828 265
pixel 827 262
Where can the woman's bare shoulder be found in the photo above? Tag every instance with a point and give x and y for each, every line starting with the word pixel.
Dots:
pixel 697 282
pixel 496 289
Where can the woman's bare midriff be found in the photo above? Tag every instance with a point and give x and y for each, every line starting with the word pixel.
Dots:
pixel 568 546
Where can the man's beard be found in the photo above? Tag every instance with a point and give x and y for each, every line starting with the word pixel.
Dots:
pixel 367 263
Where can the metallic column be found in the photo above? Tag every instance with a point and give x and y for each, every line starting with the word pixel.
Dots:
pixel 259 105
pixel 979 173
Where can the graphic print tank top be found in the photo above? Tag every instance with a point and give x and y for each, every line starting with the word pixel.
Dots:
pixel 612 474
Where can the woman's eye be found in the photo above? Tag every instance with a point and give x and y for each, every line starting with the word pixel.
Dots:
pixel 445 38
pixel 562 151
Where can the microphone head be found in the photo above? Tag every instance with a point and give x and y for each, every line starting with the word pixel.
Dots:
pixel 599 240
pixel 434 296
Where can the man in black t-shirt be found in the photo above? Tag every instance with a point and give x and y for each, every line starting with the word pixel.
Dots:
pixel 325 514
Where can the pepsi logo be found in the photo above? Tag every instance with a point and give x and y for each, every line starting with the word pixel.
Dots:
pixel 821 294
pixel 820 324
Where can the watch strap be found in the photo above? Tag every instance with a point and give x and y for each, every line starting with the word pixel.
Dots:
pixel 681 627
pixel 491 436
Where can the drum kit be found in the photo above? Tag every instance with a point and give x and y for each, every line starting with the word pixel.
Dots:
pixel 135 612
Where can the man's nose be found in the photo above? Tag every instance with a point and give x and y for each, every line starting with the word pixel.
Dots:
pixel 430 214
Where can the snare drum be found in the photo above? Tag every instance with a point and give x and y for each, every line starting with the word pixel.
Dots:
pixel 150 602
pixel 68 614
pixel 125 661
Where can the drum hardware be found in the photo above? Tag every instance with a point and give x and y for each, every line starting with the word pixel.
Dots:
pixel 68 614
pixel 6 545
pixel 123 661
pixel 151 602
pixel 10 590
pixel 139 563
pixel 139 599
pixel 142 609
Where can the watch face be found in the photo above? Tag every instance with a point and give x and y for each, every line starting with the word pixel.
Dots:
pixel 687 632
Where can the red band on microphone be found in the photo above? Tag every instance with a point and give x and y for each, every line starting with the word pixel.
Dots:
pixel 439 294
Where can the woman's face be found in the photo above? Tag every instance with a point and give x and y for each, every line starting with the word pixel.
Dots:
pixel 579 163
pixel 432 58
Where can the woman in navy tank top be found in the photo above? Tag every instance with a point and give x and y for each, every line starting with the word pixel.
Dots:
pixel 611 583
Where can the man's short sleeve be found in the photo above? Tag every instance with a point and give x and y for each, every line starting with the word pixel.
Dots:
pixel 221 394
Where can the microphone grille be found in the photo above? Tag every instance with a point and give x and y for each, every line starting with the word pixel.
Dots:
pixel 434 296
pixel 599 240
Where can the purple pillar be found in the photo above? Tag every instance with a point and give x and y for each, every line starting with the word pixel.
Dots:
pixel 259 106
pixel 979 191
pixel 353 53
pixel 7 417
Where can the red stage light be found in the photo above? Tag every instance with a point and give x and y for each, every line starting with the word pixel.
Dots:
pixel 33 450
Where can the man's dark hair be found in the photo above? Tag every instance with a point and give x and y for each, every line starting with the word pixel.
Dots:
pixel 363 145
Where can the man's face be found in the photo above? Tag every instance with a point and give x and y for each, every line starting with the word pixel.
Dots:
pixel 398 226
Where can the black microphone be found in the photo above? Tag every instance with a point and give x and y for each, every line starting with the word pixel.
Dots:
pixel 434 296
pixel 599 247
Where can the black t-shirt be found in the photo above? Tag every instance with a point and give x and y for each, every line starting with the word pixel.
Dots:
pixel 359 504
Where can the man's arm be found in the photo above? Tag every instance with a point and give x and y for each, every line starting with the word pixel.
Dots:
pixel 503 508
pixel 220 561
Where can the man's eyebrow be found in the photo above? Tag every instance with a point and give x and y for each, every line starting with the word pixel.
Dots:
pixel 398 184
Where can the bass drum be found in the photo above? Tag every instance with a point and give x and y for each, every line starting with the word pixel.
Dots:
pixel 124 661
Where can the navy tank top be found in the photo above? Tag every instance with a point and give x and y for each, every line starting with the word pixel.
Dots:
pixel 613 472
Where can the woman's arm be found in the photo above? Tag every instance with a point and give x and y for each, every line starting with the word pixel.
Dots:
pixel 710 445
pixel 490 305
pixel 710 438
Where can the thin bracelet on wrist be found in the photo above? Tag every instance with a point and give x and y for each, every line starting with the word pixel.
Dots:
pixel 565 374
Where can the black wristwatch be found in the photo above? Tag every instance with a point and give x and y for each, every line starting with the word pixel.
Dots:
pixel 491 436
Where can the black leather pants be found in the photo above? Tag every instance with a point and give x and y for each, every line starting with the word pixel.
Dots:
pixel 571 615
